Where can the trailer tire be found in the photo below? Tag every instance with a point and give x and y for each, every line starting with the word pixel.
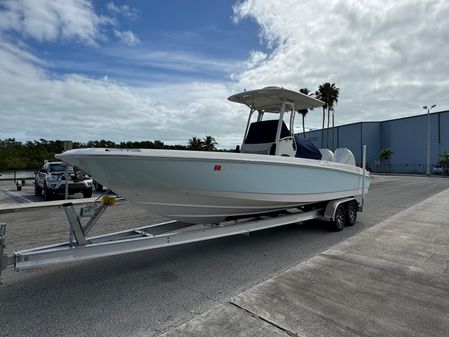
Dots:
pixel 351 213
pixel 98 186
pixel 47 193
pixel 37 189
pixel 340 219
pixel 87 193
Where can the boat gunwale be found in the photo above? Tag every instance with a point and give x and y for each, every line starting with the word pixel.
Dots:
pixel 217 156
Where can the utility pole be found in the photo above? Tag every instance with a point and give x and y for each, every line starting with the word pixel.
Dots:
pixel 428 136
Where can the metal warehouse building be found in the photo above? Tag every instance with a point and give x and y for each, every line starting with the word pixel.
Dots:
pixel 406 137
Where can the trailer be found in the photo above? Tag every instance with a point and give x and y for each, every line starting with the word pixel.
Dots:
pixel 79 246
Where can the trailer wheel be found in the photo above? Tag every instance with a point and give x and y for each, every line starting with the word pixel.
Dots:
pixel 37 189
pixel 98 186
pixel 351 212
pixel 87 193
pixel 340 218
pixel 47 193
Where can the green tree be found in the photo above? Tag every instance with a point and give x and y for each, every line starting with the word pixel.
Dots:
pixel 195 144
pixel 444 161
pixel 15 155
pixel 444 158
pixel 206 144
pixel 319 95
pixel 328 93
pixel 303 112
pixel 209 143
pixel 385 154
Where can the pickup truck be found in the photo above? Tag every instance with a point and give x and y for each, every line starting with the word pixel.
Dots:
pixel 51 179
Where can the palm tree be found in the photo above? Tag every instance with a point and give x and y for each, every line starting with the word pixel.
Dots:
pixel 320 95
pixel 304 112
pixel 384 155
pixel 195 144
pixel 444 161
pixel 328 93
pixel 209 143
pixel 334 96
pixel 206 144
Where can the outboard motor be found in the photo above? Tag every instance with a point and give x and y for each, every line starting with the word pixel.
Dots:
pixel 327 154
pixel 344 156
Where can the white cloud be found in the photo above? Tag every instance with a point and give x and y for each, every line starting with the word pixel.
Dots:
pixel 36 105
pixel 388 59
pixel 256 59
pixel 49 20
pixel 124 10
pixel 127 38
pixel 113 8
pixel 178 61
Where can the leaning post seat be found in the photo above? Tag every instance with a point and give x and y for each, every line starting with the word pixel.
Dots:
pixel 262 136
pixel 265 132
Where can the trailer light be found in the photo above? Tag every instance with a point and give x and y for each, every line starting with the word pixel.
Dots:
pixel 217 168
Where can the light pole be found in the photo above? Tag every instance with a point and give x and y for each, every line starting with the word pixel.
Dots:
pixel 428 136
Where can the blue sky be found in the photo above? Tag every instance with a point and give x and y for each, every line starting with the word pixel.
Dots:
pixel 176 40
pixel 133 70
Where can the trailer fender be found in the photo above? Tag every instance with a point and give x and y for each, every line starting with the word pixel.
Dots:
pixel 331 207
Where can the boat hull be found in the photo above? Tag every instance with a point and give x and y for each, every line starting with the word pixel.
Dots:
pixel 208 187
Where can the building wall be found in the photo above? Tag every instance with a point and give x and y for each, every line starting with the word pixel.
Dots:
pixel 443 144
pixel 407 137
pixel 371 138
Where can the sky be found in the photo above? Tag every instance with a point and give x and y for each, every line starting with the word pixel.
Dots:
pixel 162 70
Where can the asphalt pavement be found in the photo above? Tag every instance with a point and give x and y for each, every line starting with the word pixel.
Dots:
pixel 154 292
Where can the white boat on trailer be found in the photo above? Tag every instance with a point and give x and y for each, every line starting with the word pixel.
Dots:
pixel 228 193
pixel 209 187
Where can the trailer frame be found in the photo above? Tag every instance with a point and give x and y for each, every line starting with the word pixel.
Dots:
pixel 170 233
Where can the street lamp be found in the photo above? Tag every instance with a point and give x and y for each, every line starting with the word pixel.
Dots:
pixel 428 136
